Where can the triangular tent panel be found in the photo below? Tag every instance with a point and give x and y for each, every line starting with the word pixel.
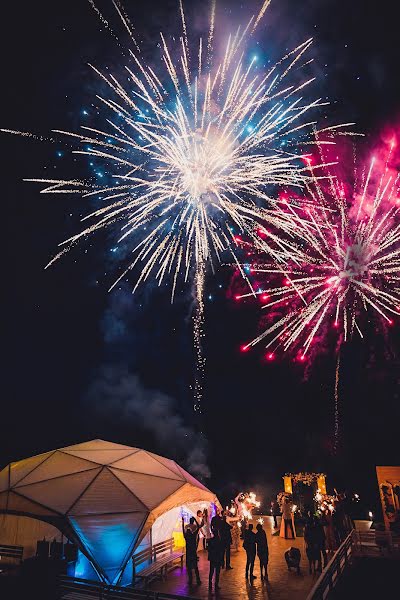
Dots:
pixel 25 506
pixel 106 495
pixel 109 539
pixel 20 469
pixel 149 489
pixel 142 462
pixel 167 462
pixel 57 465
pixel 59 493
pixel 102 457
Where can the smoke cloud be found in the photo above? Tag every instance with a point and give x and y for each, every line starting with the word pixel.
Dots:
pixel 120 394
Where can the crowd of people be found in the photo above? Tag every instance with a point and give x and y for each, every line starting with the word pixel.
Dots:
pixel 323 533
pixel 218 535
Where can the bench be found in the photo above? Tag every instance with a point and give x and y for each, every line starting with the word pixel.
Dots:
pixel 10 557
pixel 159 559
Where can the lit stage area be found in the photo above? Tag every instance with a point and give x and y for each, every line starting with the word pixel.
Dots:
pixel 93 505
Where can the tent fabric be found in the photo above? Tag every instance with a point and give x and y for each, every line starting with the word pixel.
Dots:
pixel 25 531
pixel 106 495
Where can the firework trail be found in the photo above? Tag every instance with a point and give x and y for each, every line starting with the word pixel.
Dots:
pixel 189 151
pixel 337 414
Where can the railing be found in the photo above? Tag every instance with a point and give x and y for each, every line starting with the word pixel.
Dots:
pixel 103 591
pixel 330 575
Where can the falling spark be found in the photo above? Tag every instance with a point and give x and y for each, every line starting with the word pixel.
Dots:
pixel 189 152
pixel 247 502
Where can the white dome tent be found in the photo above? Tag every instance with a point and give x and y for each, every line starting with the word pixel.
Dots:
pixel 103 496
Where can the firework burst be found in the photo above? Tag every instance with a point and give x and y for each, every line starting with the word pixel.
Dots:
pixel 346 264
pixel 189 150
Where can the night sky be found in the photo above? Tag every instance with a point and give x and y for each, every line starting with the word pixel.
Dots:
pixel 74 356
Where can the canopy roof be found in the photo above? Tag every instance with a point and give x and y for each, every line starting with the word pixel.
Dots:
pixel 104 495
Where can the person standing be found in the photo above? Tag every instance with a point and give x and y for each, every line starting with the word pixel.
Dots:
pixel 329 531
pixel 262 551
pixel 313 545
pixel 215 556
pixel 249 544
pixel 206 530
pixel 287 512
pixel 320 540
pixel 235 533
pixel 226 540
pixel 190 533
pixel 200 523
pixel 216 522
pixel 275 511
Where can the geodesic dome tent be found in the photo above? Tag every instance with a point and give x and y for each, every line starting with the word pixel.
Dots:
pixel 103 496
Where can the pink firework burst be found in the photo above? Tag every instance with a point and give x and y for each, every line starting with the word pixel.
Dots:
pixel 345 263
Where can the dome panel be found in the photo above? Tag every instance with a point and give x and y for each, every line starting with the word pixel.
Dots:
pixel 106 495
pixel 167 462
pixel 110 539
pixel 149 489
pixel 142 462
pixel 59 493
pixel 57 465
pixel 20 469
pixel 20 504
pixel 99 456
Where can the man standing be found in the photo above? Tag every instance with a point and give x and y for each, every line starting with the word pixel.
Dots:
pixel 216 523
pixel 287 511
pixel 226 540
pixel 262 551
pixel 215 556
pixel 190 533
pixel 276 511
pixel 249 544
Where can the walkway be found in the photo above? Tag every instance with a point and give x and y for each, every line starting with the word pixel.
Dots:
pixel 282 585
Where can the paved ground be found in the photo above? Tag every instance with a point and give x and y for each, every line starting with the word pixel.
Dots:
pixel 282 585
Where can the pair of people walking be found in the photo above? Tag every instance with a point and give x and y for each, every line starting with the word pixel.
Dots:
pixel 256 544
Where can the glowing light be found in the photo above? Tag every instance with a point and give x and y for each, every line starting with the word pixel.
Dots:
pixel 247 502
